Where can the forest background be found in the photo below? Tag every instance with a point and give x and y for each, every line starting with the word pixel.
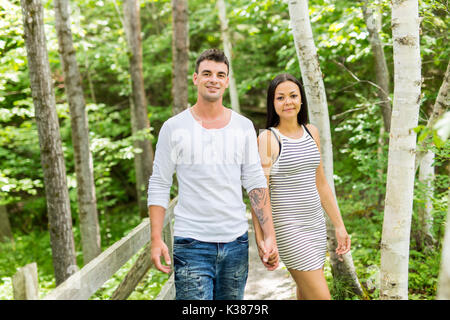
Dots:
pixel 263 47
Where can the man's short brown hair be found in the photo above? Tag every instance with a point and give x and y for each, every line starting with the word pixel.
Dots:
pixel 214 55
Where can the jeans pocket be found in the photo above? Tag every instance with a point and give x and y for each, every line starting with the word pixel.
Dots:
pixel 179 262
pixel 243 238
pixel 184 242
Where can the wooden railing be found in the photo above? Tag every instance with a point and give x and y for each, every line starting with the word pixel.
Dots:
pixel 85 282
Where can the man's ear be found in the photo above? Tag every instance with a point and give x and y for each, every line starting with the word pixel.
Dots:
pixel 194 78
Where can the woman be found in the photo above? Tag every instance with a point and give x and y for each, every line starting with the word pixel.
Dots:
pixel 299 192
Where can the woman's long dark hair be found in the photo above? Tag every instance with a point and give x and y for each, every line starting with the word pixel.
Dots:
pixel 272 117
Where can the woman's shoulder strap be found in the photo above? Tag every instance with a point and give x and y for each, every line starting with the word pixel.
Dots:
pixel 306 128
pixel 312 137
pixel 278 139
pixel 276 136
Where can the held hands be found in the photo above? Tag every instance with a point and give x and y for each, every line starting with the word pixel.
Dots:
pixel 268 252
pixel 343 240
pixel 159 248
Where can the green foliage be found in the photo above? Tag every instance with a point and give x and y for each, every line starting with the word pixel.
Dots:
pixel 367 180
pixel 33 246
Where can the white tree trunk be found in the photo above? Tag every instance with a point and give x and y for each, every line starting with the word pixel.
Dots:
pixel 426 176
pixel 318 114
pixel 87 203
pixel 234 97
pixel 443 289
pixel 52 159
pixel 402 145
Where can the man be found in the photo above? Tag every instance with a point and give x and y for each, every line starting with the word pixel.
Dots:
pixel 214 153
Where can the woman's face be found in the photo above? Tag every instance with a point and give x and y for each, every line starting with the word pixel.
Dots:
pixel 287 100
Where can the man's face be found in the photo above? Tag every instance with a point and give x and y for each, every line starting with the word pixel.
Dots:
pixel 211 80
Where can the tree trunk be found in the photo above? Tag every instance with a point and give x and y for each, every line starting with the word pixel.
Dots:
pixel 443 288
pixel 87 205
pixel 5 227
pixel 139 116
pixel 400 174
pixel 380 169
pixel 426 176
pixel 52 159
pixel 441 105
pixel 318 114
pixel 234 97
pixel 180 55
pixel 372 17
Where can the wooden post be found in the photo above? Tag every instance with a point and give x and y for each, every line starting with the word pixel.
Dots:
pixel 25 283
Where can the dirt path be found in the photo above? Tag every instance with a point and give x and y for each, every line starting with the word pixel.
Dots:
pixel 263 284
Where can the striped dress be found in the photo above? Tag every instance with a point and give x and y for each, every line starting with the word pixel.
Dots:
pixel 298 216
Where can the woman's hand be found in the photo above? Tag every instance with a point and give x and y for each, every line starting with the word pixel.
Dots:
pixel 270 260
pixel 343 240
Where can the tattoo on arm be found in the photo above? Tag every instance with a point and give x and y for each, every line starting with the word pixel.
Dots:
pixel 258 200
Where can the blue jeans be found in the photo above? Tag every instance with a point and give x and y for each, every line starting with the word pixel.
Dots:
pixel 210 271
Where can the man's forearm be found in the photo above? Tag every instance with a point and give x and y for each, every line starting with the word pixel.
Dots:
pixel 260 202
pixel 156 214
pixel 256 225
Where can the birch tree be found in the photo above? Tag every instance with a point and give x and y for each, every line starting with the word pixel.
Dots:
pixel 443 288
pixel 318 114
pixel 426 177
pixel 87 204
pixel 143 160
pixel 424 160
pixel 234 97
pixel 180 55
pixel 400 174
pixel 52 160
pixel 441 105
pixel 372 17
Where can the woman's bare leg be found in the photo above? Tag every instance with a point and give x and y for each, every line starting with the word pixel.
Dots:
pixel 311 285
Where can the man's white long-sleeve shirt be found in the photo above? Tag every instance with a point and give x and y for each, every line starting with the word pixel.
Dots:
pixel 211 165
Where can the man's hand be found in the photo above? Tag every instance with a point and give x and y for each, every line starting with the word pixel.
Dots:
pixel 268 252
pixel 159 248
